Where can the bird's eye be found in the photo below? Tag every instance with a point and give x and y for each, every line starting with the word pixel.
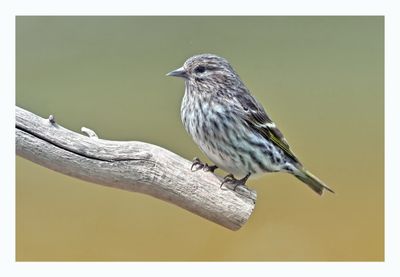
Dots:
pixel 200 69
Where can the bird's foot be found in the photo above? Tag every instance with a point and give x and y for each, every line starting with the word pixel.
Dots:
pixel 230 179
pixel 198 164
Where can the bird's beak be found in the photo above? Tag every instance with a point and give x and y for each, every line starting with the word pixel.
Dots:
pixel 180 72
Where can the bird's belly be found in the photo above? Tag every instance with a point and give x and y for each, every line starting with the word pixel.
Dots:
pixel 229 144
pixel 241 158
pixel 228 162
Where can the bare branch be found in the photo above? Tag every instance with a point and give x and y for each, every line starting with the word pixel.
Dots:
pixel 131 165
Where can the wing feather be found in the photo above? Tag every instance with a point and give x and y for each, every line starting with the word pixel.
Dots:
pixel 258 120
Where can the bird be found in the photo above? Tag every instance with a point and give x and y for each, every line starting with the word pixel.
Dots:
pixel 231 127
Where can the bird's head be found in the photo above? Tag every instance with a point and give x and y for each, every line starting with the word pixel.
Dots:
pixel 207 70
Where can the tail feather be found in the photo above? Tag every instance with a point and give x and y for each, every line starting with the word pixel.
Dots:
pixel 313 182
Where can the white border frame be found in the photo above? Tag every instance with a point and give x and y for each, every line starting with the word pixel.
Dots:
pixel 10 9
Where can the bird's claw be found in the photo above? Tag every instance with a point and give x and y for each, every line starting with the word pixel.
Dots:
pixel 227 179
pixel 209 168
pixel 200 165
pixel 196 163
pixel 235 182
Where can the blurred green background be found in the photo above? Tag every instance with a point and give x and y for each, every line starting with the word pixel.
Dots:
pixel 320 78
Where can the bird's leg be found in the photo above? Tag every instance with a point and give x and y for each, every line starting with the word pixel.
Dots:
pixel 232 180
pixel 200 165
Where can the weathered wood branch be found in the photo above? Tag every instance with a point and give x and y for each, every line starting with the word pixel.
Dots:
pixel 133 166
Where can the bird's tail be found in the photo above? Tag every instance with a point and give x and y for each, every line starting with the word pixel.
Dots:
pixel 312 181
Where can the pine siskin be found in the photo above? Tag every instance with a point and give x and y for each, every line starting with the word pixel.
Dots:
pixel 231 127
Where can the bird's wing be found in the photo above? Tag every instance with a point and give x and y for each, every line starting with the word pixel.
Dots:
pixel 258 120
